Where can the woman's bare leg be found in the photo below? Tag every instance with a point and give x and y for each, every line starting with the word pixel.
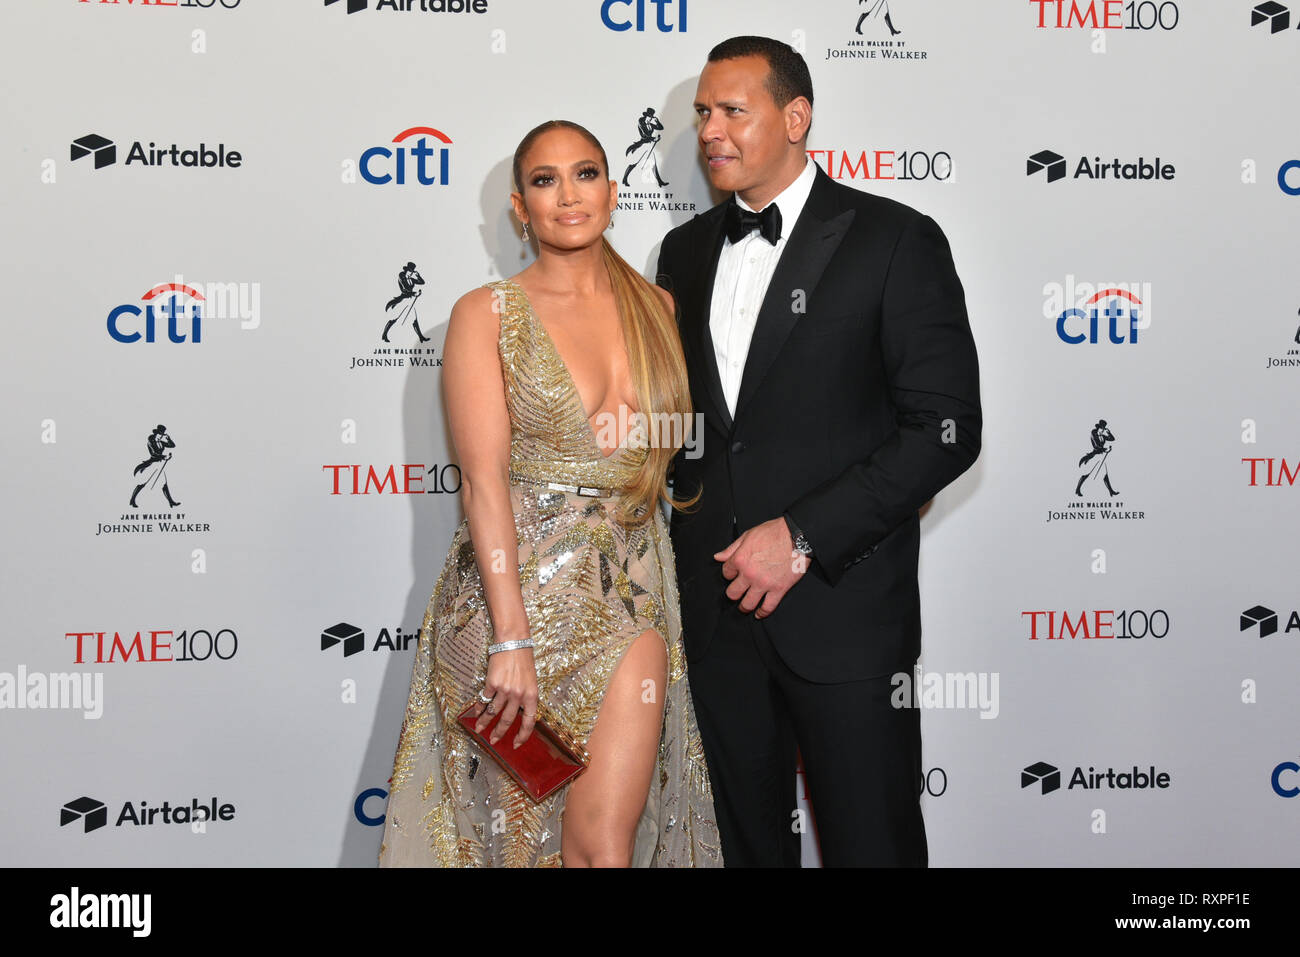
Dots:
pixel 604 804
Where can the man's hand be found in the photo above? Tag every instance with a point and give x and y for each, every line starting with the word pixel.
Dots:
pixel 761 565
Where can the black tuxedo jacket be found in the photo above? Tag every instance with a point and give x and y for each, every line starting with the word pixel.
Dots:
pixel 859 401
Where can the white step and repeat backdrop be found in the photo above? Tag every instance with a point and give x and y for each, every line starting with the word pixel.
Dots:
pixel 227 497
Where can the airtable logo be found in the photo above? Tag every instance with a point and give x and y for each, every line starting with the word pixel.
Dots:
pixel 1265 621
pixel 104 152
pixel 101 148
pixel 1275 15
pixel 1098 169
pixel 1048 775
pixel 353 639
pixel 416 6
pixel 1132 778
pixel 92 813
pixel 1054 163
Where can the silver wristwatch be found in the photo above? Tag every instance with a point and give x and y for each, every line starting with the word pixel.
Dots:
pixel 800 542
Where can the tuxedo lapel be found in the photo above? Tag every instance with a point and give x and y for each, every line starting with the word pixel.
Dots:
pixel 709 251
pixel 812 242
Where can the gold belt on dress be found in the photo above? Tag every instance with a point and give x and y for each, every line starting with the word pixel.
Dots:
pixel 590 491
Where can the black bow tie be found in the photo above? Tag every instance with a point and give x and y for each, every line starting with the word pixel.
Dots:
pixel 741 222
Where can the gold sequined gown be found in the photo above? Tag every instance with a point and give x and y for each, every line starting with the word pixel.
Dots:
pixel 590 588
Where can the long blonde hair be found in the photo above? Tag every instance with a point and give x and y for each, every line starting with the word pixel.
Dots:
pixel 654 351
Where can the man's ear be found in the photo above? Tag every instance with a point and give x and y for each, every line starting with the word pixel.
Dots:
pixel 798 118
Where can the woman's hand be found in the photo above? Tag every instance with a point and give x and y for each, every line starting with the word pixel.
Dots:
pixel 512 684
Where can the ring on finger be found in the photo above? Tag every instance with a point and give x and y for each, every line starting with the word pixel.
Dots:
pixel 485 698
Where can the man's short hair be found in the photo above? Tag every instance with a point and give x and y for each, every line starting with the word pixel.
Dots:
pixel 787 75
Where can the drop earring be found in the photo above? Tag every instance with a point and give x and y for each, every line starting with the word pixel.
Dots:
pixel 611 221
pixel 525 232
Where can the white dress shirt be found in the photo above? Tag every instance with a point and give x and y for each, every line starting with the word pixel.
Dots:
pixel 744 273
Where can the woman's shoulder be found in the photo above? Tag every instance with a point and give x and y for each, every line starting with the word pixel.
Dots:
pixel 482 304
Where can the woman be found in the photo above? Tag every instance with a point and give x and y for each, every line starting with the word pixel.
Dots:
pixel 563 557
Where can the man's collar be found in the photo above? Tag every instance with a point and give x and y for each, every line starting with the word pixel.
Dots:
pixel 792 199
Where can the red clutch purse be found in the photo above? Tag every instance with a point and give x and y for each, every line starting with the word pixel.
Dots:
pixel 545 762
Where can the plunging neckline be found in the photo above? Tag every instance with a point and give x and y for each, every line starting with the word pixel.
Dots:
pixel 573 384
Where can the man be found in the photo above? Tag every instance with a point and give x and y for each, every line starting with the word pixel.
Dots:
pixel 829 352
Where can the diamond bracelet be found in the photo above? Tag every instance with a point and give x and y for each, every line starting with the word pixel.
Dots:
pixel 510 645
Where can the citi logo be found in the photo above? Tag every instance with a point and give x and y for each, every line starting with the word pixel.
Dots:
pixel 623 15
pixel 359 806
pixel 168 299
pixel 1054 166
pixel 1291 769
pixel 1122 322
pixel 1080 316
pixel 1264 621
pixel 1048 777
pixel 431 163
pixel 353 639
pixel 1275 15
pixel 1284 182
